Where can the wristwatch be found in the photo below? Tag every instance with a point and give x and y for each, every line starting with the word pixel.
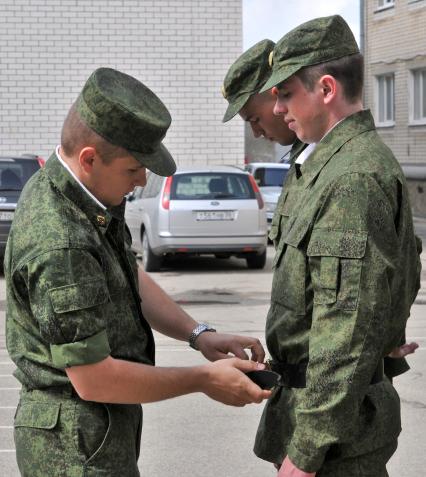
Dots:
pixel 196 332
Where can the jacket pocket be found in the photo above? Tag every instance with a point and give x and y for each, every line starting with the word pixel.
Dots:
pixel 335 263
pixel 276 224
pixel 38 415
pixel 78 296
pixel 289 280
pixel 378 423
pixel 38 442
pixel 93 429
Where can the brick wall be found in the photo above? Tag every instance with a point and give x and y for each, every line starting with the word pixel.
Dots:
pixel 396 42
pixel 179 48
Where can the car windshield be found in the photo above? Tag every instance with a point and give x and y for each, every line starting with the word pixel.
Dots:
pixel 14 173
pixel 211 185
pixel 270 176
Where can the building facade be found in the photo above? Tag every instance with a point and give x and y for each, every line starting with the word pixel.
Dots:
pixel 179 48
pixel 393 40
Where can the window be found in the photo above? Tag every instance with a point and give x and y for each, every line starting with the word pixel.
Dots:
pixel 14 173
pixel 386 3
pixel 418 96
pixel 270 176
pixel 385 100
pixel 203 186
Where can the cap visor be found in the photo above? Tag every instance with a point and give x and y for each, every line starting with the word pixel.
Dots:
pixel 160 162
pixel 235 106
pixel 280 75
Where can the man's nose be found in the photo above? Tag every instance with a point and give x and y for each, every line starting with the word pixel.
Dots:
pixel 279 108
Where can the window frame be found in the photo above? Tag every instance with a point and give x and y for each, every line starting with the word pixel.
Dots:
pixel 385 4
pixel 422 91
pixel 385 122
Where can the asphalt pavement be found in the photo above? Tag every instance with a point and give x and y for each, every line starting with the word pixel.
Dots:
pixel 194 436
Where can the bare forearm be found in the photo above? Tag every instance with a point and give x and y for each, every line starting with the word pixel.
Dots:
pixel 168 318
pixel 117 381
pixel 162 313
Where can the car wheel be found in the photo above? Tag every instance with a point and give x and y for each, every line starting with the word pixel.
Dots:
pixel 255 261
pixel 151 262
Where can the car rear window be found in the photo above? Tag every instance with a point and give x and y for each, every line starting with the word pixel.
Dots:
pixel 269 176
pixel 211 185
pixel 14 173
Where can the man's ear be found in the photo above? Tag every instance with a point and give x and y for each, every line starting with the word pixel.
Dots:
pixel 86 159
pixel 329 88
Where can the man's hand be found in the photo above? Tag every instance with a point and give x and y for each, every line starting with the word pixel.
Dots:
pixel 226 382
pixel 288 469
pixel 403 350
pixel 216 346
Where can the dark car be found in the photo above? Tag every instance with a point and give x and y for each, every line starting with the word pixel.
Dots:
pixel 14 173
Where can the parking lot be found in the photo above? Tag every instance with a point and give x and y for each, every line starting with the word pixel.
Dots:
pixel 195 436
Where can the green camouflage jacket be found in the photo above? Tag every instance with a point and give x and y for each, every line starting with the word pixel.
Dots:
pixel 346 273
pixel 72 290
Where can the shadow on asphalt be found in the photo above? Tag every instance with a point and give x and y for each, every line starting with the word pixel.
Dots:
pixel 211 264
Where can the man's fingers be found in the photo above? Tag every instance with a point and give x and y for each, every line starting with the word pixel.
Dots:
pixel 216 355
pixel 216 345
pixel 411 347
pixel 257 351
pixel 239 352
pixel 404 350
pixel 253 344
pixel 230 385
pixel 246 365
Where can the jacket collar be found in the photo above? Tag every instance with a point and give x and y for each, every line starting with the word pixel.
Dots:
pixel 343 132
pixel 71 189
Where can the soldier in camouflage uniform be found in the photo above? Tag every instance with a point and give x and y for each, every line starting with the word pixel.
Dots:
pixel 76 327
pixel 346 270
pixel 241 88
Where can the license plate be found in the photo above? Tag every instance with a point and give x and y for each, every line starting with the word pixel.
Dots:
pixel 215 215
pixel 5 216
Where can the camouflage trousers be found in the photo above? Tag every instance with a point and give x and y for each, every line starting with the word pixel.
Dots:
pixel 366 465
pixel 59 435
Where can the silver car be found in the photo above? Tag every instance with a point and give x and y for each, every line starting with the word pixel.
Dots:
pixel 269 176
pixel 213 210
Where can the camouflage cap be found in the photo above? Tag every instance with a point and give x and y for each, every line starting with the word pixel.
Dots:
pixel 126 113
pixel 314 42
pixel 246 76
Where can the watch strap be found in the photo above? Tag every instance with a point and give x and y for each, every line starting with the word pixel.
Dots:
pixel 196 332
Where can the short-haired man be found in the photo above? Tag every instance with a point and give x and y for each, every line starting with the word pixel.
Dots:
pixel 347 268
pixel 79 313
pixel 241 88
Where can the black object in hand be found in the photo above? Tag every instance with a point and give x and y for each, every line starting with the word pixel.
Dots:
pixel 265 379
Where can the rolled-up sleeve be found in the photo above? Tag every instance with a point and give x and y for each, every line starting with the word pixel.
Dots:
pixel 88 351
pixel 69 299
